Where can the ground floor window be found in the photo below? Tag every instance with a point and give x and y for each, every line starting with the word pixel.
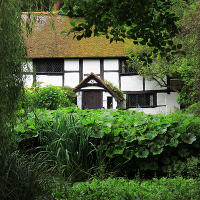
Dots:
pixel 141 100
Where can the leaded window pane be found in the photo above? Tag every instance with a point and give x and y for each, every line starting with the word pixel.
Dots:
pixel 49 65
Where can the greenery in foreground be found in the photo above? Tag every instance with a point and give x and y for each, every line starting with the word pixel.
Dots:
pixel 84 142
pixel 123 189
pixel 28 175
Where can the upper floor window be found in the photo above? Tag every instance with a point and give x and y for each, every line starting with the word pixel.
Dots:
pixel 125 68
pixel 141 100
pixel 49 66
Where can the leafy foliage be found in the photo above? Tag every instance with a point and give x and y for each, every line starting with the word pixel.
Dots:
pixel 49 97
pixel 12 54
pixel 122 141
pixel 182 61
pixel 149 23
pixel 121 189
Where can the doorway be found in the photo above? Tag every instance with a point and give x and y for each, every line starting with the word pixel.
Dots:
pixel 92 99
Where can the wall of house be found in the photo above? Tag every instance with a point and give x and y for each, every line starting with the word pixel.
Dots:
pixel 28 73
pixel 75 70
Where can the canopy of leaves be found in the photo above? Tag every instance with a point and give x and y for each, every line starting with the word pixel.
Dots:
pixel 183 61
pixel 147 22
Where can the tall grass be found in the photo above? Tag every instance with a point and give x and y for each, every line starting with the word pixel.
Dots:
pixel 68 143
pixel 25 177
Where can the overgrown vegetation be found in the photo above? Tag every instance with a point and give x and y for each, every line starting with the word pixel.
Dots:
pixel 122 189
pixel 21 177
pixel 85 144
pixel 26 177
pixel 49 97
pixel 122 142
pixel 183 62
pixel 12 54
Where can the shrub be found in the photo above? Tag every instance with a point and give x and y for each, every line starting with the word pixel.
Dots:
pixel 51 98
pixel 194 108
pixel 69 94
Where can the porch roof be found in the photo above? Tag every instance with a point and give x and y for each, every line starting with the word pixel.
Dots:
pixel 100 83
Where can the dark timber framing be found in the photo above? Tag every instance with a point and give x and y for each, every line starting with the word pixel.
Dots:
pixel 143 84
pixel 102 68
pixel 168 85
pixel 80 69
pixel 75 71
pixel 119 64
pixel 146 91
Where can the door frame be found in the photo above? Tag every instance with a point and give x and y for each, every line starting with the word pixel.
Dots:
pixel 98 90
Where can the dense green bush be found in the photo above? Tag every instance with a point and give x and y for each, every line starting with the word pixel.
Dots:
pixel 49 97
pixel 69 94
pixel 121 141
pixel 121 189
pixel 194 108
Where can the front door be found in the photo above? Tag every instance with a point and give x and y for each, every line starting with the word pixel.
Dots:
pixel 92 99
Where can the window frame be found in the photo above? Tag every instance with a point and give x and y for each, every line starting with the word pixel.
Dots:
pixel 137 97
pixel 124 72
pixel 46 72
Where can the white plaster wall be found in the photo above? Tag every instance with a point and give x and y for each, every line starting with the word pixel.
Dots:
pixel 28 66
pixel 90 65
pixel 28 80
pixel 114 104
pixel 49 80
pixel 113 77
pixel 71 79
pixel 105 95
pixel 161 98
pixel 153 111
pixel 92 88
pixel 71 65
pixel 131 83
pixel 79 99
pixel 111 64
pixel 87 76
pixel 153 85
pixel 171 102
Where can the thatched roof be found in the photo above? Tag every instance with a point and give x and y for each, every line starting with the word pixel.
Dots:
pixel 47 41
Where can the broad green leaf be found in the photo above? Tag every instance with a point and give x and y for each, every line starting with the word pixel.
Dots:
pixel 156 150
pixel 173 142
pixel 142 153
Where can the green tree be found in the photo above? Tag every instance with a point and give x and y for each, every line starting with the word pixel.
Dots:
pixel 147 22
pixel 183 63
pixel 12 55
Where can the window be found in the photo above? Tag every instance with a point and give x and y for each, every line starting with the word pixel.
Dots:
pixel 49 66
pixel 141 100
pixel 126 69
